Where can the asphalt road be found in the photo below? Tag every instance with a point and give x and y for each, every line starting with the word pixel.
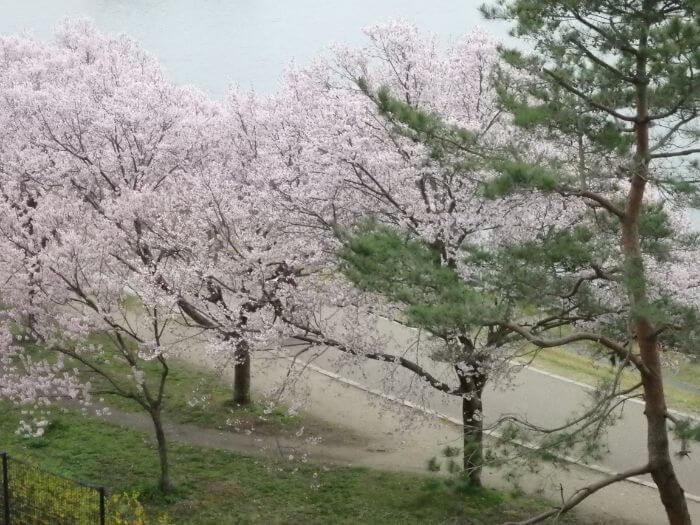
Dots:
pixel 400 439
pixel 355 397
pixel 542 398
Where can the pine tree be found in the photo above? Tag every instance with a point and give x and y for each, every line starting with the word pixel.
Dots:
pixel 615 83
pixel 633 66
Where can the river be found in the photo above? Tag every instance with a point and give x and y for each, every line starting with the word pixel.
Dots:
pixel 213 43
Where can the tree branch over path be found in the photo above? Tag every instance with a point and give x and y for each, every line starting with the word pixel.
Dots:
pixel 320 340
pixel 582 493
pixel 620 350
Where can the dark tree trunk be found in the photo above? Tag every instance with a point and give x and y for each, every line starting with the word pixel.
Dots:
pixel 471 387
pixel 473 433
pixel 241 375
pixel 662 471
pixel 164 483
pixel 30 319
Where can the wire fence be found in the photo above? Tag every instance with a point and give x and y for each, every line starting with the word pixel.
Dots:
pixel 32 496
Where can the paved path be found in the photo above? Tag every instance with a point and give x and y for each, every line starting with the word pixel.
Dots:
pixel 398 442
pixel 543 398
pixel 377 441
pixel 336 449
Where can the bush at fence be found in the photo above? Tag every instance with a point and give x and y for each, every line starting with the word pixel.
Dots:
pixel 41 498
pixel 126 509
pixel 37 497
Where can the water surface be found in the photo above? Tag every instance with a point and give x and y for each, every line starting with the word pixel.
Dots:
pixel 212 43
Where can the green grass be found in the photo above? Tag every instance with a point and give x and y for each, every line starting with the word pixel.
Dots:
pixel 220 487
pixel 689 373
pixel 585 369
pixel 193 394
pixel 200 396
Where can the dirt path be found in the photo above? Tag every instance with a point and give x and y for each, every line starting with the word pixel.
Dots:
pixel 391 436
pixel 333 448
pixel 380 443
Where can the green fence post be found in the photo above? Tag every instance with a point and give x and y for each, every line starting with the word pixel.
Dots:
pixel 5 489
pixel 102 506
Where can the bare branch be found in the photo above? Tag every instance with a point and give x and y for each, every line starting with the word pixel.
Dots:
pixel 681 153
pixel 582 493
pixel 319 339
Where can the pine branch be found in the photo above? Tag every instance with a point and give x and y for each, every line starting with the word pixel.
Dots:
pixel 570 88
pixel 623 46
pixel 598 274
pixel 602 63
pixel 672 131
pixel 681 153
pixel 582 493
pixel 605 203
pixel 620 350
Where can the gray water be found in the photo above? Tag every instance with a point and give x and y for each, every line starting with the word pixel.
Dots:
pixel 213 43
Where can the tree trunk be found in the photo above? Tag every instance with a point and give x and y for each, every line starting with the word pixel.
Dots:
pixel 662 471
pixel 241 376
pixel 164 483
pixel 661 468
pixel 471 387
pixel 473 433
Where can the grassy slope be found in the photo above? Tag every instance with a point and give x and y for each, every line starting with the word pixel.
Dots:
pixel 219 487
pixel 193 394
pixel 586 370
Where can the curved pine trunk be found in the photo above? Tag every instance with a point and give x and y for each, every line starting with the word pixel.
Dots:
pixel 659 456
pixel 662 471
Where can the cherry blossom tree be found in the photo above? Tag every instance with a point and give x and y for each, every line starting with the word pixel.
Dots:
pixel 419 142
pixel 116 184
pixel 397 164
pixel 620 275
pixel 71 112
pixel 354 138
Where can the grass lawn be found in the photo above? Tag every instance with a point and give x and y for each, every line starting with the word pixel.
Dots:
pixel 689 373
pixel 584 369
pixel 193 394
pixel 220 487
pixel 200 396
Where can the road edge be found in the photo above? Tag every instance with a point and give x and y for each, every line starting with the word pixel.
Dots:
pixel 454 421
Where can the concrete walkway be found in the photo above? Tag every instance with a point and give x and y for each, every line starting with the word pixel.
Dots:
pixel 402 438
pixel 399 437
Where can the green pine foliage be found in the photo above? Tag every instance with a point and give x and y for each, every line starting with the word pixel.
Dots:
pixel 515 175
pixel 382 260
pixel 443 141
pixel 616 85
